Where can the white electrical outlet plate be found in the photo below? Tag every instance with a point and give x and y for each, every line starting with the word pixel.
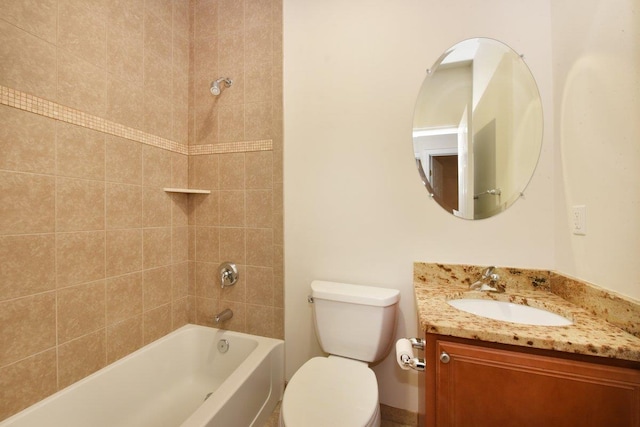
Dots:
pixel 579 220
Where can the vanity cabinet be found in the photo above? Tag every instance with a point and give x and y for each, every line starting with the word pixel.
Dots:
pixel 468 383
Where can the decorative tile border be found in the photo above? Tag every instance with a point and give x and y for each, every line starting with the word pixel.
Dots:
pixel 33 104
pixel 231 147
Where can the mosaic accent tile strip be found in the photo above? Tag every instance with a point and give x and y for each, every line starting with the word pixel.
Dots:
pixel 33 104
pixel 231 147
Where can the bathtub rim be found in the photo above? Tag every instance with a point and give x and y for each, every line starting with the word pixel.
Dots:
pixel 265 348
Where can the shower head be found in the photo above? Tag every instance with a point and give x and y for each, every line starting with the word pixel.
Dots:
pixel 216 89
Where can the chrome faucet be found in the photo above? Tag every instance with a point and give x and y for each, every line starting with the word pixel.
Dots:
pixel 488 282
pixel 225 314
pixel 228 274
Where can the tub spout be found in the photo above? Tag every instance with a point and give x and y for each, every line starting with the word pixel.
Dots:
pixel 225 314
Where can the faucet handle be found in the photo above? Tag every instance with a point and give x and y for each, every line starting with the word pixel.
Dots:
pixel 228 274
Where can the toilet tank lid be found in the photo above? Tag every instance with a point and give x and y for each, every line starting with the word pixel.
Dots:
pixel 355 294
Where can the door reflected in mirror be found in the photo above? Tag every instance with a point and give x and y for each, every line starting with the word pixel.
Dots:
pixel 477 128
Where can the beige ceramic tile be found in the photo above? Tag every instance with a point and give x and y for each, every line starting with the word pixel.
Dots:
pixel 157 75
pixel 181 58
pixel 39 21
pixel 232 208
pixel 207 209
pixel 278 228
pixel 81 85
pixel 123 103
pixel 259 170
pixel 124 251
pixel 206 123
pixel 123 160
pixel 82 32
pixel 180 280
pixel 259 45
pixel 156 284
pixel 28 265
pixel 179 314
pixel 258 13
pixel 278 323
pixel 156 247
pixel 26 382
pixel 203 172
pixel 81 310
pixel 207 244
pixel 180 209
pixel 260 247
pixel 80 152
pixel 80 257
pixel 156 166
pixel 259 208
pixel 206 18
pixel 258 121
pixel 232 123
pixel 157 116
pixel 124 206
pixel 81 357
pixel 157 37
pixel 162 9
pixel 156 323
pixel 79 205
pixel 180 123
pixel 233 244
pixel 26 203
pixel 126 13
pixel 259 320
pixel 260 285
pixel 230 15
pixel 258 83
pixel 231 171
pixel 205 310
pixel 27 326
pixel 125 53
pixel 124 338
pixel 180 18
pixel 179 244
pixel 179 170
pixel 206 59
pixel 27 141
pixel 124 297
pixel 238 322
pixel 156 207
pixel 207 283
pixel 33 62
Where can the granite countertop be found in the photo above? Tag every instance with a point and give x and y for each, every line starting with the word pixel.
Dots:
pixel 589 334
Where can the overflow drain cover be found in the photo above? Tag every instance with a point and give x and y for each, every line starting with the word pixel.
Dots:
pixel 223 346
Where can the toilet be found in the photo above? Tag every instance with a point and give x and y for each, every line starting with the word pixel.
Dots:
pixel 355 324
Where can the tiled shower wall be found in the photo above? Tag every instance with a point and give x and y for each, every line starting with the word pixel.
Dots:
pixel 96 259
pixel 241 220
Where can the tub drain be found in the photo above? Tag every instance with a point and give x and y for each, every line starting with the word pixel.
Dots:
pixel 208 396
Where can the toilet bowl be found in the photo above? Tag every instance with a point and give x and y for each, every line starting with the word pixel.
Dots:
pixel 355 325
pixel 331 391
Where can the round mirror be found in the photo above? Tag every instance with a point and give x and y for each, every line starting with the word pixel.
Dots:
pixel 477 128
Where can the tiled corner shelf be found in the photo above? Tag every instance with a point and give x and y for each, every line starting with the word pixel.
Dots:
pixel 186 190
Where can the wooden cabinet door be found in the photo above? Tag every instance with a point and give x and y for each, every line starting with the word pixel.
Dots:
pixel 493 387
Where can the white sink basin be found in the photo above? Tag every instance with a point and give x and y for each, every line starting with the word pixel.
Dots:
pixel 509 312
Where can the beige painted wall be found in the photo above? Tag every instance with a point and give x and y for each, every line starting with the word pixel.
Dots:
pixel 355 208
pixel 597 133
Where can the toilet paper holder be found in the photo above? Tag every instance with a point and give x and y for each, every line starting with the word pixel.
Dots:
pixel 405 356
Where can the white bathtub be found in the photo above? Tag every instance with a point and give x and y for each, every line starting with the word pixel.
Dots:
pixel 165 383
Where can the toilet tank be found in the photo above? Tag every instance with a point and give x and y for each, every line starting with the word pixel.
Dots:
pixel 354 321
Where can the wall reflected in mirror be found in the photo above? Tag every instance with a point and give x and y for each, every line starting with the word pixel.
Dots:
pixel 477 128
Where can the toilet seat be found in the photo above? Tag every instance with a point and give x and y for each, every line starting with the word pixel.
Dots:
pixel 331 391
